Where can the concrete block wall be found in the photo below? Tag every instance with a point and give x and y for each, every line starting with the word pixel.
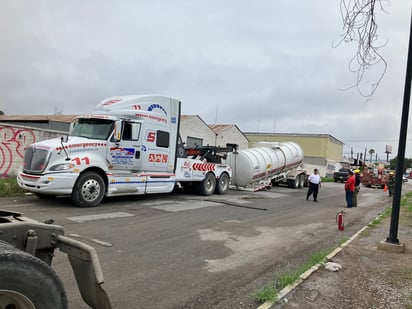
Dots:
pixel 13 140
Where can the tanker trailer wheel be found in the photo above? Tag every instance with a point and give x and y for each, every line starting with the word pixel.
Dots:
pixel 222 185
pixel 293 183
pixel 89 190
pixel 208 185
pixel 301 181
pixel 27 282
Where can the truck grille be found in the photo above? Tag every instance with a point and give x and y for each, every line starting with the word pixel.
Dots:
pixel 35 160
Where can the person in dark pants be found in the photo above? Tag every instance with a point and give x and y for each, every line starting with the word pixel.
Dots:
pixel 357 188
pixel 314 185
pixel 349 189
pixel 391 183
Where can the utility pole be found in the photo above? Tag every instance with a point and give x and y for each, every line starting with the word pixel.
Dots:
pixel 393 230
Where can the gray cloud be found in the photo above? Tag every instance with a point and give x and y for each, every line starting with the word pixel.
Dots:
pixel 267 66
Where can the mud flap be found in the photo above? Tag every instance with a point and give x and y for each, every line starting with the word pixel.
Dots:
pixel 87 270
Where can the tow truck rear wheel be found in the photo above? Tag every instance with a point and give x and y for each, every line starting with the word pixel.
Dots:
pixel 222 186
pixel 27 282
pixel 89 190
pixel 208 185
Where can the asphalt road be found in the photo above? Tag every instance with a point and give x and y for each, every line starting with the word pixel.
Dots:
pixel 188 251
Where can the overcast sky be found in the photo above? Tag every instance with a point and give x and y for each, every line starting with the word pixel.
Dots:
pixel 266 66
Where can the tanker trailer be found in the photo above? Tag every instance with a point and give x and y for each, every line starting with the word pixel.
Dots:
pixel 267 164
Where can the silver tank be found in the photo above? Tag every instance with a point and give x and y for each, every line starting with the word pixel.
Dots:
pixel 263 161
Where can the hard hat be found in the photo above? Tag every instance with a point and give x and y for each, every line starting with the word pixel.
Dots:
pixel 391 173
pixel 357 171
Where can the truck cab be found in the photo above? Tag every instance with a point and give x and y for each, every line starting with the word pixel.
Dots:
pixel 128 145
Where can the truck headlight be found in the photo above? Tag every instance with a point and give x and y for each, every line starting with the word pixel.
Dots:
pixel 62 167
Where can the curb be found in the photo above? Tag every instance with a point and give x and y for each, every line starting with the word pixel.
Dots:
pixel 289 288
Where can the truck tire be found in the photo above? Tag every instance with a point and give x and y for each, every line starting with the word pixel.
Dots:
pixel 301 180
pixel 208 185
pixel 222 185
pixel 89 190
pixel 294 183
pixel 26 282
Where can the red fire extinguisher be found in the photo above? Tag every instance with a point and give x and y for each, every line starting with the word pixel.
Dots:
pixel 339 219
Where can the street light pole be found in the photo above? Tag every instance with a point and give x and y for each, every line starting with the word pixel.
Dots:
pixel 393 230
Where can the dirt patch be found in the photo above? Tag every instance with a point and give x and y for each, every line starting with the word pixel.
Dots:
pixel 370 277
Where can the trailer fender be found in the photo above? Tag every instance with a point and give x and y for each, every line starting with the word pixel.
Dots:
pixel 87 271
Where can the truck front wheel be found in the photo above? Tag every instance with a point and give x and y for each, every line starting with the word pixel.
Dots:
pixel 26 282
pixel 89 190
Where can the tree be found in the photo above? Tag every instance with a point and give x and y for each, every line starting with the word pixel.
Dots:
pixel 407 163
pixel 1 113
pixel 371 152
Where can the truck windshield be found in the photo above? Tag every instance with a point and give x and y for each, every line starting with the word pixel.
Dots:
pixel 92 128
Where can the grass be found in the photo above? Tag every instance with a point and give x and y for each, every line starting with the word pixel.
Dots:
pixel 386 213
pixel 343 240
pixel 406 204
pixel 267 293
pixel 270 290
pixel 9 187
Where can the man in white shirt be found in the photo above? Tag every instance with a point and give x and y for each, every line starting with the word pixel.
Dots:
pixel 314 185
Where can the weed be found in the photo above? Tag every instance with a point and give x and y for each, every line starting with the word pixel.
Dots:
pixel 269 292
pixel 343 240
pixel 9 187
pixel 386 213
pixel 266 293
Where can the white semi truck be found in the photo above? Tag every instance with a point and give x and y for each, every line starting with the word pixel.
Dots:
pixel 129 145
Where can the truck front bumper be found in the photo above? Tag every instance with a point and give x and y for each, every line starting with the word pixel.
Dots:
pixel 54 184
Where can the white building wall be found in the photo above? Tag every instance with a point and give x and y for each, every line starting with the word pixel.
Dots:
pixel 193 126
pixel 233 136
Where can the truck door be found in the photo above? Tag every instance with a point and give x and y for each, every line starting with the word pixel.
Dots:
pixel 125 155
pixel 157 159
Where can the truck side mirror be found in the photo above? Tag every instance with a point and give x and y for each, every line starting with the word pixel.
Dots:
pixel 64 138
pixel 117 131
